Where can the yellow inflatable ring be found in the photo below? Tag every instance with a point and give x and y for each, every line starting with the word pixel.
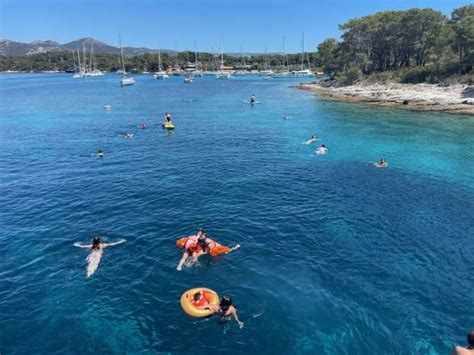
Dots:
pixel 190 309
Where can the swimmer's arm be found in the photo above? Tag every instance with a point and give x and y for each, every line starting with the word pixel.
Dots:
pixel 181 262
pixel 234 314
pixel 105 245
pixel 83 246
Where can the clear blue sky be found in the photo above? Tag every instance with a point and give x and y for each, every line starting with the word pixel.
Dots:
pixel 149 23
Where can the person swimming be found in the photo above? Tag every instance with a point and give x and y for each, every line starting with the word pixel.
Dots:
pixel 321 150
pixel 312 139
pixel 469 350
pixel 381 164
pixel 253 99
pixel 143 126
pixel 199 244
pixel 101 154
pixel 225 310
pixel 128 135
pixel 93 259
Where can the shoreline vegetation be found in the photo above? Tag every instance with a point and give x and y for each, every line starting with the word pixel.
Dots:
pixel 453 99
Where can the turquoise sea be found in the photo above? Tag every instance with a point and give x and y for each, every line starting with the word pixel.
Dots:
pixel 337 256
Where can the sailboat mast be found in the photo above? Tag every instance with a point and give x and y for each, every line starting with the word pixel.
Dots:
pixel 159 59
pixel 302 51
pixel 79 59
pixel 121 54
pixel 92 58
pixel 84 52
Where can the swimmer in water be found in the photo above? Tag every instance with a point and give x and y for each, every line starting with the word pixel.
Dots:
pixel 253 99
pixel 322 149
pixel 128 135
pixel 93 259
pixel 101 154
pixel 225 310
pixel 381 164
pixel 143 126
pixel 313 139
pixel 200 244
pixel 469 350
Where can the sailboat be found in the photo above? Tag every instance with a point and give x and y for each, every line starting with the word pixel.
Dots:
pixel 196 72
pixel 126 80
pixel 302 73
pixel 95 71
pixel 160 74
pixel 221 74
pixel 242 70
pixel 77 74
pixel 267 73
pixel 286 65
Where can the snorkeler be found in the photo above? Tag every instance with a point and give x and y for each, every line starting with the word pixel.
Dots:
pixel 93 259
pixel 225 310
pixel 101 154
pixel 469 350
pixel 199 244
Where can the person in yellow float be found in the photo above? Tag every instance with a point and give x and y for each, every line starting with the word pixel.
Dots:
pixel 199 244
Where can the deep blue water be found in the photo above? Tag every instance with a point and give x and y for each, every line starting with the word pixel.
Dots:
pixel 337 256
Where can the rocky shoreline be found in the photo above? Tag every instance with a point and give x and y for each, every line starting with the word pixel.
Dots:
pixel 455 99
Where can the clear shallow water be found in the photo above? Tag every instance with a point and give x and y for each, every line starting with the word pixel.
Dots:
pixel 336 257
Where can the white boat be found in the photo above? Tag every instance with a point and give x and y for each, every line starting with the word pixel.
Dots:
pixel 286 71
pixel 222 74
pixel 267 73
pixel 126 80
pixel 160 74
pixel 303 73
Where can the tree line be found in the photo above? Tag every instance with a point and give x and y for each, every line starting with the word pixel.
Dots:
pixel 64 61
pixel 414 45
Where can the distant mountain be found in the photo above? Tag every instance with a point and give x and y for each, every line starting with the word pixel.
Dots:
pixel 8 47
pixel 17 48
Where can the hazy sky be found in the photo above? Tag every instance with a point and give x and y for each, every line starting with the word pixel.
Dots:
pixel 181 23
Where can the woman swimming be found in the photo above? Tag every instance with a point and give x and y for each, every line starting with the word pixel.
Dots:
pixel 313 139
pixel 225 310
pixel 93 259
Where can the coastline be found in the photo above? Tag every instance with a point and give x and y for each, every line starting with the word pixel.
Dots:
pixel 455 99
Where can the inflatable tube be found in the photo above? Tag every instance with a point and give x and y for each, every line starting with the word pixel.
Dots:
pixel 211 296
pixel 168 126
pixel 218 249
pixel 384 165
pixel 215 248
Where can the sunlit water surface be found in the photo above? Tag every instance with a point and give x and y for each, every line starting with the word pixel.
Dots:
pixel 337 256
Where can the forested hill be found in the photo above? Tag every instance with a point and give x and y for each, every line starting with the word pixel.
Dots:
pixel 409 46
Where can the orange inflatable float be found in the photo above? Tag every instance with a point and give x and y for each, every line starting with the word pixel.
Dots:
pixel 215 248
